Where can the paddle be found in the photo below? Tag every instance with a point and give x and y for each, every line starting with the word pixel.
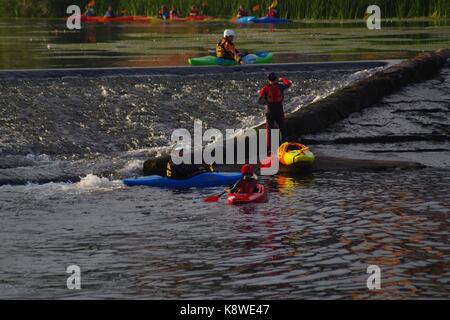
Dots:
pixel 216 198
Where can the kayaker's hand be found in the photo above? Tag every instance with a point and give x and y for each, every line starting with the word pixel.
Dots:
pixel 227 190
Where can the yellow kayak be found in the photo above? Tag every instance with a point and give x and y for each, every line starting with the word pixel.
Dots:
pixel 295 154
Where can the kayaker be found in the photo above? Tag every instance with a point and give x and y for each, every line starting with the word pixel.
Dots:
pixel 164 13
pixel 194 12
pixel 90 12
pixel 109 13
pixel 185 171
pixel 272 95
pixel 175 12
pixel 273 13
pixel 226 49
pixel 242 12
pixel 248 183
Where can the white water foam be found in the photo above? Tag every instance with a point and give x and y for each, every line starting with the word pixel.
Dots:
pixel 132 168
pixel 87 184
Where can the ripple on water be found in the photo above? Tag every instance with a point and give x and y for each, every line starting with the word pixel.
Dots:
pixel 313 239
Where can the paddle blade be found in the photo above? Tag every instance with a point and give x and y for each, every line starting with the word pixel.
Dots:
pixel 266 163
pixel 212 199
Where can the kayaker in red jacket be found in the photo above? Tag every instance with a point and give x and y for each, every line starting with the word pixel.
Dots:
pixel 194 12
pixel 248 184
pixel 272 95
pixel 273 13
pixel 242 12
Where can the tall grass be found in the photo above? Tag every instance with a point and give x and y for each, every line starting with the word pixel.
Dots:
pixel 294 9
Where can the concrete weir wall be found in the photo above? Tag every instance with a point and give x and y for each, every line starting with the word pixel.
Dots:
pixel 338 106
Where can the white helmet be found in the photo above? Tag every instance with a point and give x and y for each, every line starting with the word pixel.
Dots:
pixel 229 33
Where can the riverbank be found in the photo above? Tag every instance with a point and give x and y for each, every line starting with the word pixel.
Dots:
pixel 295 9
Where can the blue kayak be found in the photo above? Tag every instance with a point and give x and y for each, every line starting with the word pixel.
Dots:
pixel 270 20
pixel 204 180
pixel 246 19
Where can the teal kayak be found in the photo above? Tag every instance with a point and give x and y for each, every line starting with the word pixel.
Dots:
pixel 247 19
pixel 268 20
pixel 256 58
pixel 203 180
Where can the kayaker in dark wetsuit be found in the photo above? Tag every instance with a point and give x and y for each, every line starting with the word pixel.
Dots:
pixel 194 12
pixel 242 12
pixel 248 184
pixel 272 95
pixel 226 49
pixel 185 171
pixel 175 12
pixel 110 13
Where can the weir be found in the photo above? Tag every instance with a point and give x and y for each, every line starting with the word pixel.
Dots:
pixel 186 71
pixel 321 114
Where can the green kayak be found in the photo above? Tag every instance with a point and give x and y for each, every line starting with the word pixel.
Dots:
pixel 257 58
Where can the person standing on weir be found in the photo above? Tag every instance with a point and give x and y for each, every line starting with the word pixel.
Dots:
pixel 272 95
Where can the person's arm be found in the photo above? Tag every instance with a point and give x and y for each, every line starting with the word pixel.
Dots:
pixel 230 48
pixel 263 96
pixel 285 83
pixel 234 188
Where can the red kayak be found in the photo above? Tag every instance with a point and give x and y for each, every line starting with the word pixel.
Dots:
pixel 190 19
pixel 87 19
pixel 246 198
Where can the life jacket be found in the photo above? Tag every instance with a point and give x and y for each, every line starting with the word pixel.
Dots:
pixel 274 94
pixel 243 13
pixel 248 185
pixel 272 13
pixel 225 49
pixel 164 13
pixel 109 14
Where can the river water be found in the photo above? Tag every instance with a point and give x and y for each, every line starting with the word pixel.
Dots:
pixel 37 44
pixel 65 145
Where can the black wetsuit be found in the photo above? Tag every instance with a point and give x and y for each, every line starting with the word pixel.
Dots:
pixel 186 171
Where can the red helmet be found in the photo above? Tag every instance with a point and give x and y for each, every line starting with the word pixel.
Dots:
pixel 247 169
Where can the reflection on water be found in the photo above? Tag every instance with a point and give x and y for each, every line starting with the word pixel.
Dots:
pixel 315 238
pixel 47 44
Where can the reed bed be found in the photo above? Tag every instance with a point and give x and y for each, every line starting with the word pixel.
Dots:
pixel 293 9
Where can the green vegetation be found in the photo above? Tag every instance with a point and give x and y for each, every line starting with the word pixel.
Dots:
pixel 294 9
